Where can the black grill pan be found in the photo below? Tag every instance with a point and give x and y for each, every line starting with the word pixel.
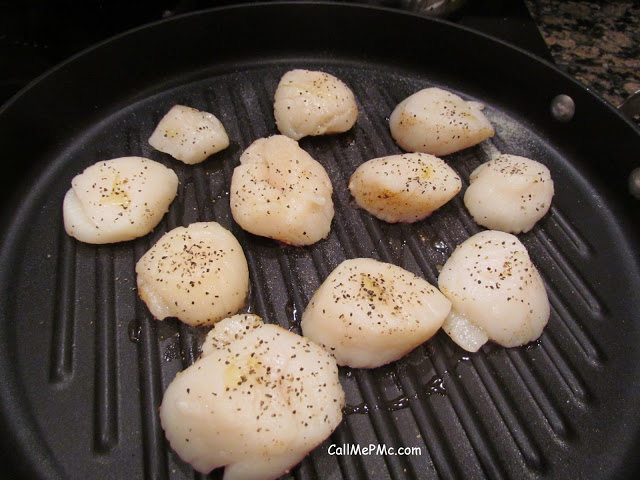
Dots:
pixel 83 365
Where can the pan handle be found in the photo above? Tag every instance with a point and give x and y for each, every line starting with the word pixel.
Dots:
pixel 631 106
pixel 634 183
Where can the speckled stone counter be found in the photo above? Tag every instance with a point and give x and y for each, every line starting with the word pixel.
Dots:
pixel 596 42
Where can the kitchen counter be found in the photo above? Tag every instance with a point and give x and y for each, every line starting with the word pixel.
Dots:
pixel 596 42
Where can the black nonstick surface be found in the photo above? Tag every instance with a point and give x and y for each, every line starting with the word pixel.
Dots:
pixel 83 365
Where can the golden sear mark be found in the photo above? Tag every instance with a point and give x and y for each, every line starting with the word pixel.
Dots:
pixel 171 133
pixel 117 195
pixel 241 370
pixel 372 287
pixel 426 172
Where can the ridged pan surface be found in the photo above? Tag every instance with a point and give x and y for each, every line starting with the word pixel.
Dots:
pixel 90 364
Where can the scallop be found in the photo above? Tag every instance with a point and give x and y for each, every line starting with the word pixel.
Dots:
pixel 256 402
pixel 279 191
pixel 189 135
pixel 118 200
pixel 404 188
pixel 198 274
pixel 509 193
pixel 496 292
pixel 368 313
pixel 438 122
pixel 313 103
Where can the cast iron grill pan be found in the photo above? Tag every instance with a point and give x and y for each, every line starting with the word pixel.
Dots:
pixel 85 365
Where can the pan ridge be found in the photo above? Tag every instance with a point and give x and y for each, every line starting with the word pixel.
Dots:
pixel 561 229
pixel 61 353
pixel 106 368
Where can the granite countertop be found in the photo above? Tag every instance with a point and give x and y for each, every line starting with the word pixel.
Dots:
pixel 596 42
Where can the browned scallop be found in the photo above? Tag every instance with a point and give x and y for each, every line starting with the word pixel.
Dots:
pixel 368 313
pixel 118 200
pixel 256 402
pixel 404 188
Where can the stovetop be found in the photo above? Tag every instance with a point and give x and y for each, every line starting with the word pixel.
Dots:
pixel 35 36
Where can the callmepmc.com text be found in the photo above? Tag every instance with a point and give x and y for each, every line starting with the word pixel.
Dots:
pixel 371 449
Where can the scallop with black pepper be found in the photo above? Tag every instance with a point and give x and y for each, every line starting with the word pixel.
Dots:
pixel 404 188
pixel 198 274
pixel 438 122
pixel 256 402
pixel 310 102
pixel 496 292
pixel 509 193
pixel 189 135
pixel 279 191
pixel 368 313
pixel 118 200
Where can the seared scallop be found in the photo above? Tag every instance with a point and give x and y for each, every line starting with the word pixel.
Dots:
pixel 256 402
pixel 404 188
pixel 313 103
pixel 438 122
pixel 198 274
pixel 279 191
pixel 496 292
pixel 509 193
pixel 118 200
pixel 189 135
pixel 368 313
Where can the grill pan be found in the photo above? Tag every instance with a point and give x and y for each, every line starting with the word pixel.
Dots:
pixel 83 365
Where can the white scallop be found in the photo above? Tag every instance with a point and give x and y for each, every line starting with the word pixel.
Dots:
pixel 509 193
pixel 189 135
pixel 496 292
pixel 313 103
pixel 198 274
pixel 438 122
pixel 118 200
pixel 368 313
pixel 404 188
pixel 279 191
pixel 257 401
